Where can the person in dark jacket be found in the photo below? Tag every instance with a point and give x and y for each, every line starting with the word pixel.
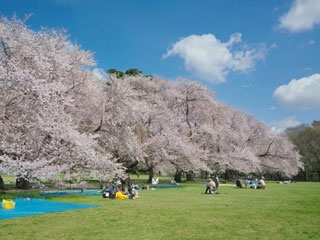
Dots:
pixel 238 183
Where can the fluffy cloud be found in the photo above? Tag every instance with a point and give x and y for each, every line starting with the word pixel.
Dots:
pixel 211 59
pixel 302 93
pixel 302 15
pixel 279 126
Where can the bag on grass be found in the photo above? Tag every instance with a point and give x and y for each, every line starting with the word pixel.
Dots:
pixel 109 193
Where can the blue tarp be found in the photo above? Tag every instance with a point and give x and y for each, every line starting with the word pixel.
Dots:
pixel 69 192
pixel 27 207
pixel 59 193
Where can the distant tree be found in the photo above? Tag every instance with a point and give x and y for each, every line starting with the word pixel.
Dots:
pixel 128 72
pixel 316 124
pixel 133 72
pixel 307 142
pixel 295 130
pixel 116 72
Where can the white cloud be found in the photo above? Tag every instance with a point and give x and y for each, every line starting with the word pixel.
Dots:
pixel 279 126
pixel 272 108
pixel 302 15
pixel 307 44
pixel 311 42
pixel 212 60
pixel 100 73
pixel 303 93
pixel 250 85
pixel 273 46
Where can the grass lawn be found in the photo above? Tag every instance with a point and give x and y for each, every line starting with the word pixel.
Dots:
pixel 8 179
pixel 279 212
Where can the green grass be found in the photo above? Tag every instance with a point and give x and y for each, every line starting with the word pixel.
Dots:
pixel 279 212
pixel 8 179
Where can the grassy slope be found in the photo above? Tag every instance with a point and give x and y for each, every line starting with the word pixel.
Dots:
pixel 279 212
pixel 8 178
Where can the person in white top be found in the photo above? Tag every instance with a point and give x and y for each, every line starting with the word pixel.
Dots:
pixel 211 187
pixel 261 184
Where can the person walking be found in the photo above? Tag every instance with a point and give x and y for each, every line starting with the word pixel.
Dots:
pixel 217 182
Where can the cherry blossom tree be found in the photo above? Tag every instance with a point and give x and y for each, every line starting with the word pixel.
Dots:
pixel 40 138
pixel 118 123
pixel 231 138
pixel 252 147
pixel 58 117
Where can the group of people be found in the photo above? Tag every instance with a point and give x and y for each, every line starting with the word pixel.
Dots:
pixel 118 191
pixel 121 194
pixel 286 182
pixel 213 185
pixel 250 183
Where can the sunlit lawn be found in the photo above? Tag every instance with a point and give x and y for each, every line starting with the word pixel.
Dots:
pixel 279 212
pixel 8 179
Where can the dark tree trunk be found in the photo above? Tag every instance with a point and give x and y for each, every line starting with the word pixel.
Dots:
pixel 22 183
pixel 231 175
pixel 177 176
pixel 150 175
pixel 227 175
pixel 204 174
pixel 129 182
pixel 1 183
pixel 190 176
pixel 305 173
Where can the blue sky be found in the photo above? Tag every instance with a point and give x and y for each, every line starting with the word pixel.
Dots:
pixel 243 50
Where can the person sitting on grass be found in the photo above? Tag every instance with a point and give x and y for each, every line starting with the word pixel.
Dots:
pixel 211 187
pixel 155 181
pixel 122 194
pixel 261 184
pixel 252 184
pixel 133 191
pixel 173 182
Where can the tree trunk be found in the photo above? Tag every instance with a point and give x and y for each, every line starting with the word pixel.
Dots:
pixel 227 175
pixel 204 174
pixel 177 176
pixel 150 175
pixel 305 173
pixel 22 183
pixel 190 176
pixel 129 182
pixel 1 183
